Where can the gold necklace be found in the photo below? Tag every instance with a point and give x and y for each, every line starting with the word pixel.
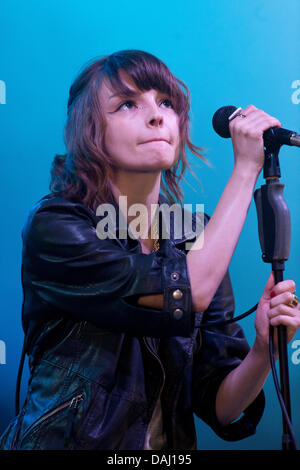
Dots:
pixel 156 235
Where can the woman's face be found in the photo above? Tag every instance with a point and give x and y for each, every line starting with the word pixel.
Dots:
pixel 142 132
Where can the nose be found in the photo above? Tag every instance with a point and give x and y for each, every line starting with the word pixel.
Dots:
pixel 154 116
pixel 156 120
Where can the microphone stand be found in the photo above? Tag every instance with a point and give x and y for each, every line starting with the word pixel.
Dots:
pixel 274 229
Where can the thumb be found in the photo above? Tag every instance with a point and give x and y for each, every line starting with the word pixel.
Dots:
pixel 269 286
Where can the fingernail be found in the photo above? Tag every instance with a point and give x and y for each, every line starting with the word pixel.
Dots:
pixel 272 294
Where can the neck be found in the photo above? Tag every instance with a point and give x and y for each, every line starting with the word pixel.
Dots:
pixel 141 188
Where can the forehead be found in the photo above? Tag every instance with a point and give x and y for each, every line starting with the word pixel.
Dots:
pixel 125 86
pixel 107 90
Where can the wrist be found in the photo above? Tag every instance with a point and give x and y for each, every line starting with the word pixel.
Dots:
pixel 260 350
pixel 248 173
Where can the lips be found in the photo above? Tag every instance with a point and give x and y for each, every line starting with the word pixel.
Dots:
pixel 156 140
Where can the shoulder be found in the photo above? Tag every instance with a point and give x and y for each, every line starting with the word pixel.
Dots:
pixel 55 203
pixel 54 213
pixel 52 204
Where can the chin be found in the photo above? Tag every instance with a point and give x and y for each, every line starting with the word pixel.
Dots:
pixel 163 162
pixel 154 163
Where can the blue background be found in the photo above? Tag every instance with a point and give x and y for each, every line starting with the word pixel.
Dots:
pixel 227 52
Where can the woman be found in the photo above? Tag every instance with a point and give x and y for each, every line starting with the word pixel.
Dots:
pixel 116 356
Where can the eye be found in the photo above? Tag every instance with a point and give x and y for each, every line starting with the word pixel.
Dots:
pixel 129 104
pixel 126 105
pixel 168 102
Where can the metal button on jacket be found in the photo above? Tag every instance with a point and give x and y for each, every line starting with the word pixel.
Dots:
pixel 175 276
pixel 177 294
pixel 178 313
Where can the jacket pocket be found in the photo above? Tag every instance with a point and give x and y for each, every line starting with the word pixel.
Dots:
pixel 53 429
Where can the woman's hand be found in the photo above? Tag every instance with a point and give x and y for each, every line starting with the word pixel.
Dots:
pixel 247 138
pixel 242 385
pixel 275 308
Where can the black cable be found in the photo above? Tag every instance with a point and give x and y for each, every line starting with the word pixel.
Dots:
pixel 277 387
pixel 272 361
pixel 19 377
pixel 231 320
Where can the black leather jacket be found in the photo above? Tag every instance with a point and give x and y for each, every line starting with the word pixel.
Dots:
pixel 96 366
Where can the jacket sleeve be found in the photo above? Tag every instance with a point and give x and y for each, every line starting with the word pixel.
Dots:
pixel 68 270
pixel 221 350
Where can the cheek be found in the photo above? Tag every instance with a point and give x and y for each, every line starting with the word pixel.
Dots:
pixel 178 141
pixel 118 138
pixel 176 129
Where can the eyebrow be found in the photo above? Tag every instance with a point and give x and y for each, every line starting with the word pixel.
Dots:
pixel 131 93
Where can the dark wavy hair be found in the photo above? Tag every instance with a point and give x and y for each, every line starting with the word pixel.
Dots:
pixel 82 173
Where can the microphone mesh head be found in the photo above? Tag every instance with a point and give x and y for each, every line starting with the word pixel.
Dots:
pixel 220 120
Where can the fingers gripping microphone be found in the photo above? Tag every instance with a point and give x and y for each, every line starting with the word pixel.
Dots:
pixel 272 137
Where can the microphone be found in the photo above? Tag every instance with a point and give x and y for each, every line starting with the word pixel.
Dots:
pixel 273 137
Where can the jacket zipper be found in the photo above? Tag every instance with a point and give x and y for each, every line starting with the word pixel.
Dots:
pixel 72 403
pixel 71 416
pixel 162 368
